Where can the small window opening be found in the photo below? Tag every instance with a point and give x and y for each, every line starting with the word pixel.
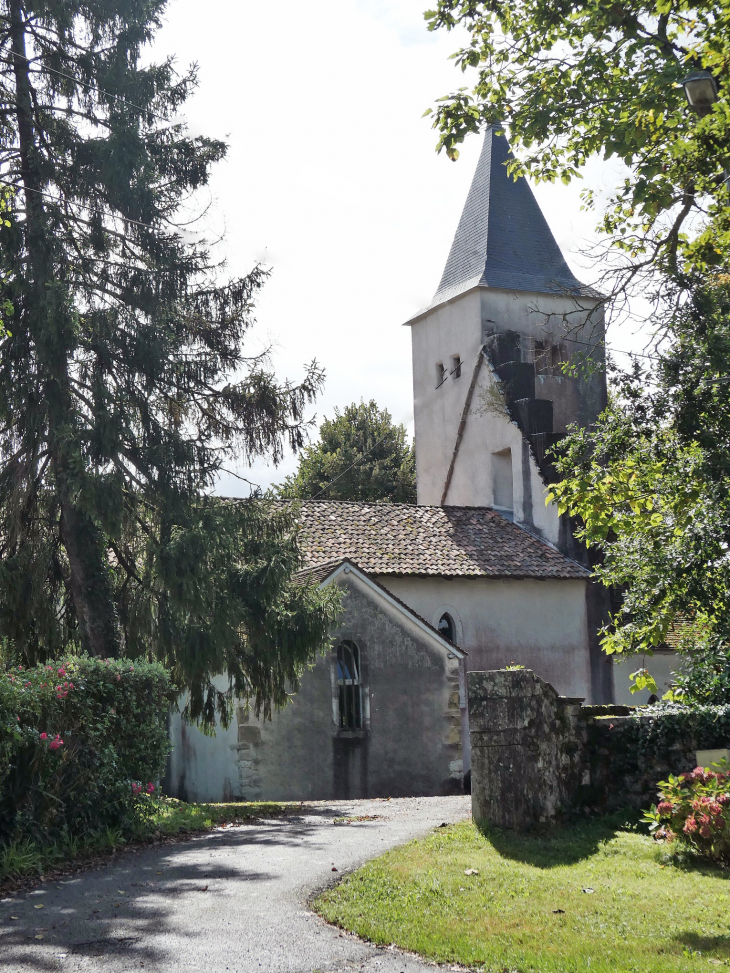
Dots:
pixel 447 627
pixel 440 374
pixel 547 357
pixel 349 683
pixel 456 366
pixel 502 488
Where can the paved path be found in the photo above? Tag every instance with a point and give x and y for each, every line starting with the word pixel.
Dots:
pixel 234 900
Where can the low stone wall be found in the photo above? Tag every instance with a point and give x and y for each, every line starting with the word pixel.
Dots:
pixel 528 748
pixel 537 756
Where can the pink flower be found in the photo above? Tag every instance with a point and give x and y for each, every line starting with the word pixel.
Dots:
pixel 705 831
pixel 690 825
pixel 723 799
pixel 55 744
pixel 665 807
pixel 136 788
pixel 62 671
pixel 150 787
pixel 44 736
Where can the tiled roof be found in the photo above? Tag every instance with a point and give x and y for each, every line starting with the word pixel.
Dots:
pixel 503 240
pixel 403 539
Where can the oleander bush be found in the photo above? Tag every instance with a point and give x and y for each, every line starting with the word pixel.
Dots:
pixel 694 813
pixel 82 743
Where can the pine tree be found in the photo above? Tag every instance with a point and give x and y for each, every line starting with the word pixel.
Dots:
pixel 123 382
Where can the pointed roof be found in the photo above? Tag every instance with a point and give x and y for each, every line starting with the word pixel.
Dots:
pixel 503 240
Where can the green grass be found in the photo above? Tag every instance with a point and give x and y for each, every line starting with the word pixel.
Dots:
pixel 526 910
pixel 169 818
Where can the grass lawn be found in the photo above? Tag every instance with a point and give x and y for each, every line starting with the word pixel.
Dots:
pixel 586 898
pixel 170 818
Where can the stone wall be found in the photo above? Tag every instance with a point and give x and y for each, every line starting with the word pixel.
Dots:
pixel 537 756
pixel 527 748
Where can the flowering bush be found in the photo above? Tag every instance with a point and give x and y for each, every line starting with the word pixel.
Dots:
pixel 694 811
pixel 75 737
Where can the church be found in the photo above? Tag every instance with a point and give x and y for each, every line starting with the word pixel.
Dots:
pixel 480 573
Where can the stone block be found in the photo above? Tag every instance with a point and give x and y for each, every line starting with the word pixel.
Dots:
pixel 454 735
pixel 706 758
pixel 249 734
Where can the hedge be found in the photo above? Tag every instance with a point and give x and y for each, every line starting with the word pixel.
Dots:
pixel 81 742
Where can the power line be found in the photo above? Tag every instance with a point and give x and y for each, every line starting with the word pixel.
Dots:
pixel 358 460
pixel 30 189
pixel 90 87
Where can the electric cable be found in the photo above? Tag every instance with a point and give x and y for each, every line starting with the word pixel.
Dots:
pixel 90 87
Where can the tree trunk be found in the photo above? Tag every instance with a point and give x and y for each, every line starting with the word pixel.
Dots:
pixel 90 588
pixel 49 321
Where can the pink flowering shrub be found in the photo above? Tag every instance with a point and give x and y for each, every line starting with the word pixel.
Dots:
pixel 694 812
pixel 75 738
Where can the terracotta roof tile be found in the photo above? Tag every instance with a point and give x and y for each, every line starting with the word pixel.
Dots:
pixel 403 539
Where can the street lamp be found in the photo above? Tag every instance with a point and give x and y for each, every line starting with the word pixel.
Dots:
pixel 701 91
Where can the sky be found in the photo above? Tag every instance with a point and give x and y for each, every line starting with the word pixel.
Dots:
pixel 332 182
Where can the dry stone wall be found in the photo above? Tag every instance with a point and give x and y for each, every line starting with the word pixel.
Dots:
pixel 537 756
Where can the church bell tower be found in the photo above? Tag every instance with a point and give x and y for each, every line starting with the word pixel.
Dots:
pixel 491 395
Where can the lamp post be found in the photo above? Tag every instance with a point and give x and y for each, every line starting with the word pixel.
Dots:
pixel 700 89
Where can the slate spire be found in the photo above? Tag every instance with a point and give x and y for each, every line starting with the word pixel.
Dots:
pixel 503 240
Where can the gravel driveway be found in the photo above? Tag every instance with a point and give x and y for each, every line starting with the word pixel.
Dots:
pixel 233 900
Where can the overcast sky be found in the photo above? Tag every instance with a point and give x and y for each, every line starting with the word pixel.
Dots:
pixel 332 180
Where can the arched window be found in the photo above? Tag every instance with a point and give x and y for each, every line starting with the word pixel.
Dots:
pixel 447 627
pixel 349 682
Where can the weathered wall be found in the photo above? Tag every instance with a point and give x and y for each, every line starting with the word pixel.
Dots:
pixel 411 744
pixel 540 624
pixel 537 757
pixel 527 749
pixel 458 327
pixel 629 754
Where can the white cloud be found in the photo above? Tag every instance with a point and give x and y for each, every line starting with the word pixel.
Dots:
pixel 332 178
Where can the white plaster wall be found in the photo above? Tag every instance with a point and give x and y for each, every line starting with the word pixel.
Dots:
pixel 539 624
pixel 456 328
pixel 200 767
pixel 660 665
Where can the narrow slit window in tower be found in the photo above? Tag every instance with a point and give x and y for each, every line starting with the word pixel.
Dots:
pixel 440 374
pixel 502 490
pixel 456 366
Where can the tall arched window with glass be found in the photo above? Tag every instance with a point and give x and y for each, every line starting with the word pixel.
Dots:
pixel 349 682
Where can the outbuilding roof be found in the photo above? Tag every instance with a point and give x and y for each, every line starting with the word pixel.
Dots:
pixel 410 539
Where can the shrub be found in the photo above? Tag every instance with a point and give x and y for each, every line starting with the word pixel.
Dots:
pixel 694 812
pixel 81 743
pixel 705 673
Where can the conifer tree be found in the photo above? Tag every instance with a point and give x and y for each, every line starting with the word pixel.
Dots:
pixel 123 381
